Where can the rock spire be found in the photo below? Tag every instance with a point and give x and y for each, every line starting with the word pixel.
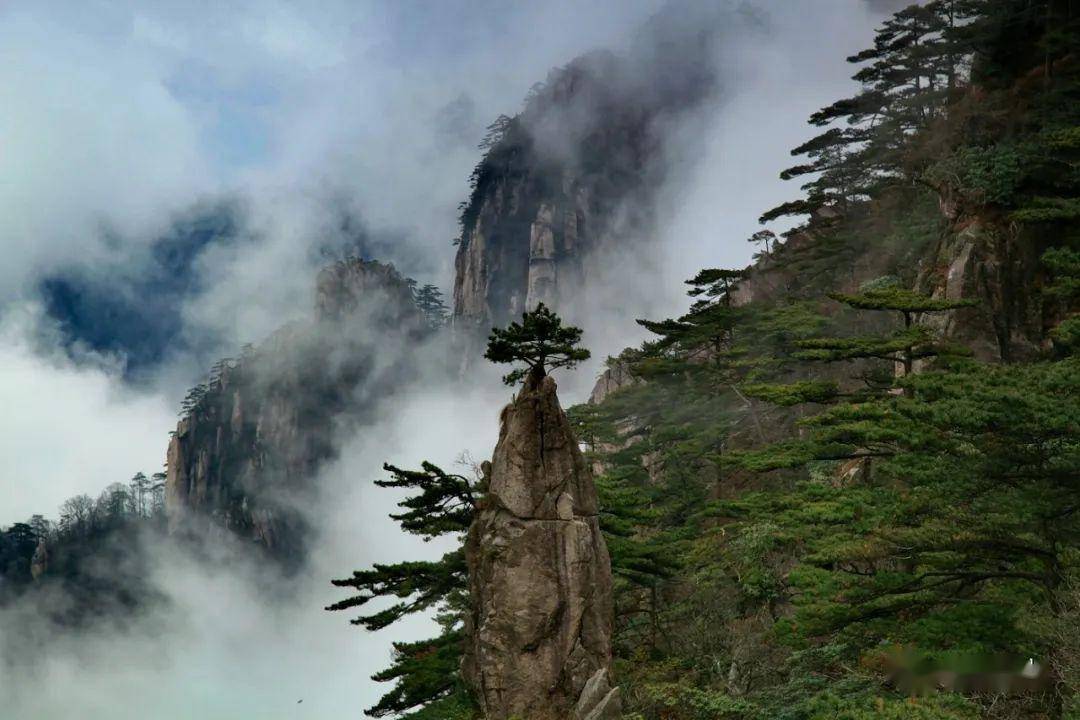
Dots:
pixel 539 636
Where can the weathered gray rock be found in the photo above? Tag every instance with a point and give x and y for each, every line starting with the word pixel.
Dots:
pixel 572 182
pixel 539 637
pixel 984 259
pixel 599 700
pixel 615 377
pixel 244 458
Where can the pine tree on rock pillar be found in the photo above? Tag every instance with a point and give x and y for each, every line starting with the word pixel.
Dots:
pixel 540 625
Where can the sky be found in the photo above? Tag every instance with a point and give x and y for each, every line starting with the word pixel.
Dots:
pixel 172 175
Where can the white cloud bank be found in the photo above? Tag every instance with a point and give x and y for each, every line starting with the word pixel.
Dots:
pixel 67 427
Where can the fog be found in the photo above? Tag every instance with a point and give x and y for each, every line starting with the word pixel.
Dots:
pixel 119 116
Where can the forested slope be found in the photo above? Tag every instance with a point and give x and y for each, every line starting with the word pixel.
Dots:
pixel 848 484
pixel 844 483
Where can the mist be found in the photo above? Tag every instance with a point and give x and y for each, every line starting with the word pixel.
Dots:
pixel 349 127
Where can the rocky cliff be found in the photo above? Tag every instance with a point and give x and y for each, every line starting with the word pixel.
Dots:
pixel 577 173
pixel 539 636
pixel 244 456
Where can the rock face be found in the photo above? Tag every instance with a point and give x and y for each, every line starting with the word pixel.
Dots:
pixel 576 175
pixel 244 456
pixel 539 636
pixel 983 258
pixel 537 212
pixel 615 377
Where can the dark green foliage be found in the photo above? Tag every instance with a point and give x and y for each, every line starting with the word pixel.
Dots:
pixel 504 144
pixel 424 673
pixel 430 301
pixel 94 557
pixel 421 585
pixel 765 238
pixel 539 341
pixel 445 504
pixel 785 506
pixel 825 506
pixel 17 545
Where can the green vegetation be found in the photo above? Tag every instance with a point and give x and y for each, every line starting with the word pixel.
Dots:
pixel 539 341
pixel 429 300
pixel 867 474
pixel 70 554
pixel 424 673
pixel 831 484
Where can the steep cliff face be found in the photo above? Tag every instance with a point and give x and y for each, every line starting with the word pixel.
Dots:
pixel 244 456
pixel 577 173
pixel 539 637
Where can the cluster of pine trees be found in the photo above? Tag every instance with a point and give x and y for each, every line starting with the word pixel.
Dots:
pixel 824 503
pixel 94 552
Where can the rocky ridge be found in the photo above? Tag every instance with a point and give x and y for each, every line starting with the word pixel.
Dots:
pixel 244 457
pixel 577 173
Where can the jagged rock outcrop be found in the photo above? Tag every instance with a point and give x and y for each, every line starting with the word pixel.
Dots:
pixel 615 377
pixel 539 634
pixel 577 174
pixel 244 457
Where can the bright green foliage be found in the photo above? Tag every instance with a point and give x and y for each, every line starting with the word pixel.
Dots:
pixel 1067 334
pixel 971 496
pixel 904 346
pixel 824 507
pixel 539 341
pixel 1064 266
pixel 424 673
pixel 987 175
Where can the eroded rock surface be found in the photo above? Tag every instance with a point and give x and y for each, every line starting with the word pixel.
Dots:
pixel 539 637
pixel 245 456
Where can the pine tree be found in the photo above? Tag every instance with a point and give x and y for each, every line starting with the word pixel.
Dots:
pixel 539 341
pixel 429 300
pixel 425 672
pixel 969 503
pixel 900 348
pixel 907 80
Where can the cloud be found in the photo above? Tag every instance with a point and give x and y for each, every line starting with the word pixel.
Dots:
pixel 69 427
pixel 233 639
